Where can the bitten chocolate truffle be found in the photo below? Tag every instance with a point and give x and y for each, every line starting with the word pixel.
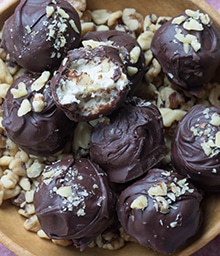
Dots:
pixel 31 118
pixel 130 142
pixel 188 50
pixel 161 211
pixel 90 83
pixel 195 149
pixel 39 33
pixel 130 51
pixel 73 201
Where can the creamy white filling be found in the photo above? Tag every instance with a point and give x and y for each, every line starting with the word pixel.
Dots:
pixel 87 79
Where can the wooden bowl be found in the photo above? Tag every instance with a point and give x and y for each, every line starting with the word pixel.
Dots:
pixel 17 239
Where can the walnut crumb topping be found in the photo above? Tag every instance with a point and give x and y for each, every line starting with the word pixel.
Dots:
pixel 193 21
pixel 208 133
pixel 165 195
pixel 57 27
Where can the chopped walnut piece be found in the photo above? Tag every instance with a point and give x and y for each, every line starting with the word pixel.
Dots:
pixel 145 39
pixel 158 190
pixel 24 108
pixel 171 115
pixel 64 191
pixel 205 19
pixel 215 119
pixel 178 20
pixel 162 205
pixel 132 70
pixel 49 11
pixel 193 14
pixel 38 102
pixel 135 54
pixel 79 5
pixel 100 16
pixel 193 25
pixel 140 203
pixel 217 139
pixel 132 19
pixel 113 18
pixel 32 224
pixel 41 81
pixel 61 242
pixel 20 91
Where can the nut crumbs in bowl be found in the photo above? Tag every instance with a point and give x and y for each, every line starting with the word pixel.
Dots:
pixel 20 171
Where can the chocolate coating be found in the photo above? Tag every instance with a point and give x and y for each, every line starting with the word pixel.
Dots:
pixel 125 43
pixel 195 148
pixel 130 143
pixel 90 83
pixel 161 211
pixel 188 65
pixel 39 33
pixel 73 201
pixel 40 133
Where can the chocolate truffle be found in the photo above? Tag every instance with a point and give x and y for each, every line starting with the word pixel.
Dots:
pixel 130 142
pixel 130 51
pixel 195 149
pixel 161 211
pixel 188 50
pixel 31 118
pixel 74 201
pixel 90 83
pixel 39 33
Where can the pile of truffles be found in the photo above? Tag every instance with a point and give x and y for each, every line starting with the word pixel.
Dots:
pixel 95 79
